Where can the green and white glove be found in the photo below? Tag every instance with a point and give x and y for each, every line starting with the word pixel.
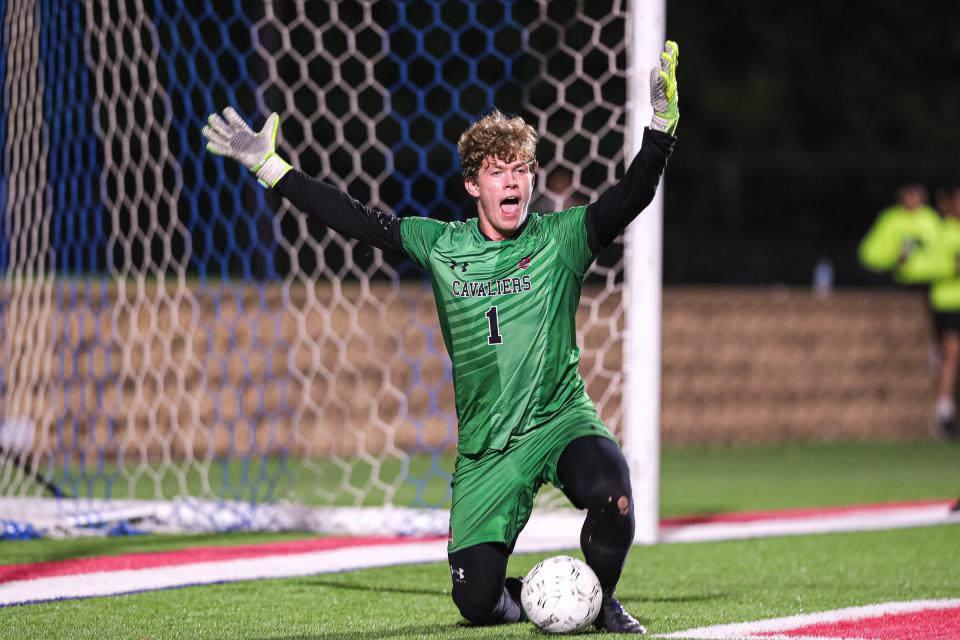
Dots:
pixel 663 90
pixel 230 136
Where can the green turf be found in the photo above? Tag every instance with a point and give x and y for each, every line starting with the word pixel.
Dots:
pixel 671 587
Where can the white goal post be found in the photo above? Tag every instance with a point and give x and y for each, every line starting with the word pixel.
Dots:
pixel 643 283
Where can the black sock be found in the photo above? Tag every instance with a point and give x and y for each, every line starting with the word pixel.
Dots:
pixel 605 540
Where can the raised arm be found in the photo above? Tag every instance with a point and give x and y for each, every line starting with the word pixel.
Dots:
pixel 610 214
pixel 230 136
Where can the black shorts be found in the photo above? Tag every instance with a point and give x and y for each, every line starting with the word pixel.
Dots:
pixel 946 321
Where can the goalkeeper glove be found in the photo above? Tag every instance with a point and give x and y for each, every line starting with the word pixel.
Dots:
pixel 663 90
pixel 231 137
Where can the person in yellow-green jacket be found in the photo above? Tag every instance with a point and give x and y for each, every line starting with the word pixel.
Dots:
pixel 906 242
pixel 945 300
pixel 945 303
pixel 896 243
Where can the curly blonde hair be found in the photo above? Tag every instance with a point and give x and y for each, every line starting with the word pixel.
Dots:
pixel 496 136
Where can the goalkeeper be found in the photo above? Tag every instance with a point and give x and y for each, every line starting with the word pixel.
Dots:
pixel 507 286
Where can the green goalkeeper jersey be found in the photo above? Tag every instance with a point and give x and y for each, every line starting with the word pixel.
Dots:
pixel 507 310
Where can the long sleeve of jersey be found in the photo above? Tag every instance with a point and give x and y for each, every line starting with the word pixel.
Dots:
pixel 881 246
pixel 340 212
pixel 609 215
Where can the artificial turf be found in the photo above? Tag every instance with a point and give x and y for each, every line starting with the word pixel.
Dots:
pixel 671 587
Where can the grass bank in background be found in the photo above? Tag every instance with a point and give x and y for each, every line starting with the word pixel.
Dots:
pixel 694 480
pixel 716 480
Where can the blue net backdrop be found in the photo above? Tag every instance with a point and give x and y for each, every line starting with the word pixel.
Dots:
pixel 172 329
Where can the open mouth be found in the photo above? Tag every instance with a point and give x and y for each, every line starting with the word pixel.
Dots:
pixel 510 206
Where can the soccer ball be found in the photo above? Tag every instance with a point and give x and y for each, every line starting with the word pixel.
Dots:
pixel 561 595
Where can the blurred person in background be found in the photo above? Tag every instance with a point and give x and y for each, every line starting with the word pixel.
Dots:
pixel 945 294
pixel 896 242
pixel 945 303
pixel 905 243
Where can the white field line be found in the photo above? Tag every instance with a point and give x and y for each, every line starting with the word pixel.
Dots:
pixel 554 531
pixel 746 630
pixel 864 520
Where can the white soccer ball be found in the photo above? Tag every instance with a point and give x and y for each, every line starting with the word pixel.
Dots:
pixel 561 595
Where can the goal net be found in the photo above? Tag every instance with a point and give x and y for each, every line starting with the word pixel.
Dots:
pixel 183 348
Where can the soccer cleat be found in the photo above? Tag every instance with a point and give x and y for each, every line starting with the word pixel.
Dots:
pixel 513 587
pixel 946 419
pixel 947 428
pixel 615 619
pixel 950 429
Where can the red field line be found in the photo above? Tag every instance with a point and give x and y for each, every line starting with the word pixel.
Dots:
pixel 149 560
pixel 929 624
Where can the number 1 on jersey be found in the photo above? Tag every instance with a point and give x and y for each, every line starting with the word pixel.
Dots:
pixel 494 336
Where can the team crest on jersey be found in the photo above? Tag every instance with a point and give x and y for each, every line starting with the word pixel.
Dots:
pixel 524 262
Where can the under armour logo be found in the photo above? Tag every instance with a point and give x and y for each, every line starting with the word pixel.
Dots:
pixel 462 265
pixel 457 574
pixel 524 262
